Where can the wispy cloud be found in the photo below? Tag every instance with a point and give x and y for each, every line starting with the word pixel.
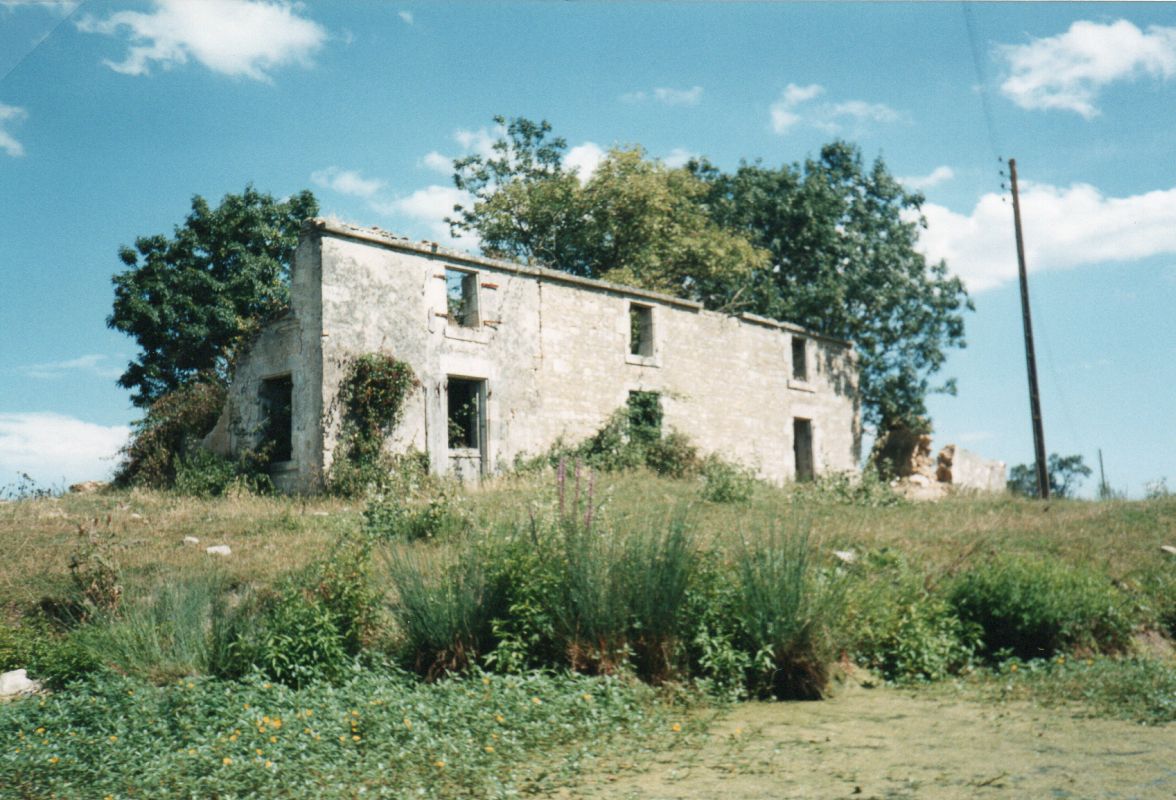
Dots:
pixel 8 142
pixel 239 38
pixel 795 107
pixel 1069 70
pixel 95 364
pixel 937 176
pixel 1066 227
pixel 666 96
pixel 678 157
pixel 54 447
pixel 406 16
pixel 437 162
pixel 346 181
pixel 428 207
pixel 584 158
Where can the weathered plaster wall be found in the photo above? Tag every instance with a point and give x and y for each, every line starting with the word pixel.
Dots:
pixel 554 352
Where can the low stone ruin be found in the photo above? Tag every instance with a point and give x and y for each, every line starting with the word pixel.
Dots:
pixel 905 455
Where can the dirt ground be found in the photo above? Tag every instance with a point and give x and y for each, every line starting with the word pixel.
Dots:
pixel 887 743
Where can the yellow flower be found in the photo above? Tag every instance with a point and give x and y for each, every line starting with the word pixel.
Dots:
pixel 246 706
pixel 1012 668
pixel 342 738
pixel 130 691
pixel 355 738
pixel 1061 659
pixel 39 731
pixel 676 728
pixel 191 751
pixel 226 761
pixel 408 723
pixel 309 712
pixel 114 738
pixel 536 700
pixel 191 686
pixel 587 698
pixel 54 760
pixel 233 738
pixel 258 751
pixel 268 764
pixel 499 718
pixel 439 764
pixel 489 748
pixel 306 730
pixel 276 722
pixel 267 686
pixel 486 681
pixel 273 740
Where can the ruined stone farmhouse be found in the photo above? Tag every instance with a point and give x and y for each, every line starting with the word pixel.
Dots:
pixel 509 358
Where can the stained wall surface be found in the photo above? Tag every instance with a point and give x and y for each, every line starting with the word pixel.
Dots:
pixel 554 355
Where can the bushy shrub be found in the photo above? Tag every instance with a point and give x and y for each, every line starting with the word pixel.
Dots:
pixel 1036 608
pixel 724 482
pixel 49 656
pixel 867 490
pixel 172 428
pixel 202 473
pixel 395 517
pixel 904 632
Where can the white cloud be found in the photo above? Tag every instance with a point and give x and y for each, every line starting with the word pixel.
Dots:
pixel 346 181
pixel 8 142
pixel 666 95
pixel 479 142
pixel 240 38
pixel 794 106
pixel 584 158
pixel 1064 228
pixel 678 157
pixel 429 207
pixel 95 364
pixel 438 163
pixel 1069 70
pixel 406 16
pixel 919 182
pixel 52 448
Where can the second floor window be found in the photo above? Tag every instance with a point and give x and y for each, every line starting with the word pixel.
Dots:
pixel 461 295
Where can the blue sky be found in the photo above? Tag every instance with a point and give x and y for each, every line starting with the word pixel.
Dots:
pixel 113 114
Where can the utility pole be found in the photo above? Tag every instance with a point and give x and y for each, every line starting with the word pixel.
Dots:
pixel 1104 491
pixel 1030 359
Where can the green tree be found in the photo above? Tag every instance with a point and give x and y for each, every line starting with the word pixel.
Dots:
pixel 191 300
pixel 844 262
pixel 634 221
pixel 1065 475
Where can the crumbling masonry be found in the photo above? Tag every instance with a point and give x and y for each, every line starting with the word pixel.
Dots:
pixel 512 357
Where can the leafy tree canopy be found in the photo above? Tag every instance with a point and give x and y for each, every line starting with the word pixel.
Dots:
pixel 828 244
pixel 190 300
pixel 633 221
pixel 1065 476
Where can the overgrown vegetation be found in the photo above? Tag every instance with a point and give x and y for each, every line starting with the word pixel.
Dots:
pixel 611 575
pixel 370 403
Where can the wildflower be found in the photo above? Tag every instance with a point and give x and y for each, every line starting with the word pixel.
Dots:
pixel 267 686
pixel 587 698
pixel 676 728
pixel 439 764
pixel 226 761
pixel 54 760
pixel 130 691
pixel 191 751
pixel 268 764
pixel 355 738
pixel 342 738
pixel 489 748
pixel 246 706
pixel 273 740
pixel 1061 659
pixel 309 712
pixel 408 723
pixel 1012 668
pixel 276 722
pixel 536 700
pixel 114 738
pixel 499 718
pixel 306 730
pixel 191 685
pixel 39 731
pixel 355 713
pixel 233 738
pixel 486 680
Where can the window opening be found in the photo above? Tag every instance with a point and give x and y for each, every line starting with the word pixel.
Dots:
pixel 466 401
pixel 276 397
pixel 802 446
pixel 645 416
pixel 799 359
pixel 640 330
pixel 461 293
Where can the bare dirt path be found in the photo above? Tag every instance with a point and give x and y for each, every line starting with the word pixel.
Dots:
pixel 887 743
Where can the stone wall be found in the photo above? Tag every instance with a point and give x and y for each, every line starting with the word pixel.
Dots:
pixel 554 353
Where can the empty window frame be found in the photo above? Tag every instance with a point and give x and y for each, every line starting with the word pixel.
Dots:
pixel 802 448
pixel 799 358
pixel 461 295
pixel 276 395
pixel 467 419
pixel 645 416
pixel 640 330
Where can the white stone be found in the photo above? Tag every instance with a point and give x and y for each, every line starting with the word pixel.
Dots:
pixel 553 351
pixel 191 540
pixel 16 683
pixel 1169 549
pixel 919 479
pixel 219 550
pixel 848 556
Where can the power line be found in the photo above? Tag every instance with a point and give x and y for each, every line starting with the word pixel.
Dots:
pixel 981 78
pixel 42 40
